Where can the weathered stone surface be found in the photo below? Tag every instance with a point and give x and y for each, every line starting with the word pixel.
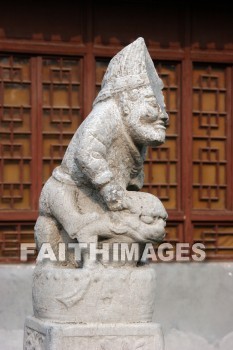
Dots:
pixel 49 335
pixel 92 197
pixel 102 169
pixel 104 295
pixel 34 339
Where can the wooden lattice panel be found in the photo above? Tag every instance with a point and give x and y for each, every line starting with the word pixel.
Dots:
pixel 61 116
pixel 161 165
pixel 209 137
pixel 11 235
pixel 174 233
pixel 15 129
pixel 217 238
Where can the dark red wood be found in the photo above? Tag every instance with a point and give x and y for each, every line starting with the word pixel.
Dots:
pixel 34 135
pixel 173 215
pixel 212 216
pixel 186 132
pixel 212 56
pixel 231 138
pixel 229 149
pixel 179 143
pixel 39 136
pixel 89 62
pixel 21 215
pixel 34 47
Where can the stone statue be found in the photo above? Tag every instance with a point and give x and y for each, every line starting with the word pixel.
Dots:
pixel 92 197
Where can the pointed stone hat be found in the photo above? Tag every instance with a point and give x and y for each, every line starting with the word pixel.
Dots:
pixel 131 68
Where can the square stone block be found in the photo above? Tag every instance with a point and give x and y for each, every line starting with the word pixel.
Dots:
pixel 47 335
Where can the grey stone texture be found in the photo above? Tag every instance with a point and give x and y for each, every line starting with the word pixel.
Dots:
pixel 102 295
pixel 93 197
pixel 99 336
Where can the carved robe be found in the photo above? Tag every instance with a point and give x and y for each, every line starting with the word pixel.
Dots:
pixel 101 151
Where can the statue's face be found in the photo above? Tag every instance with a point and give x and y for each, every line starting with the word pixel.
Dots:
pixel 144 118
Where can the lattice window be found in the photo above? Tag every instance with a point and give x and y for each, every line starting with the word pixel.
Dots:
pixel 174 233
pixel 11 235
pixel 41 108
pixel 15 128
pixel 217 238
pixel 209 137
pixel 61 116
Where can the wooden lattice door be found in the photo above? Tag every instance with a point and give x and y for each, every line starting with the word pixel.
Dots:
pixel 40 109
pixel 42 102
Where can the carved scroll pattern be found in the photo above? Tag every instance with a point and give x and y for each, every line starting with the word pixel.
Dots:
pixel 34 340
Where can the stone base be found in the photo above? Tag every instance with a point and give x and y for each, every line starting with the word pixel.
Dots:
pixel 46 335
pixel 97 295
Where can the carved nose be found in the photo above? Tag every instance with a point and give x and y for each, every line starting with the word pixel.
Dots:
pixel 165 118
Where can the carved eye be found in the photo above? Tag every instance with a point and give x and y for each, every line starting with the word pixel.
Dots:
pixel 152 118
pixel 152 101
pixel 154 104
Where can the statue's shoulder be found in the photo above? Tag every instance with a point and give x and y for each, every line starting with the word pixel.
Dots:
pixel 104 118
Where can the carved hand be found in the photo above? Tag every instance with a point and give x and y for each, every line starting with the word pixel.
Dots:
pixel 114 196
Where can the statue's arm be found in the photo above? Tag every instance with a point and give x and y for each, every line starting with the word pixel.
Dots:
pixel 137 180
pixel 91 159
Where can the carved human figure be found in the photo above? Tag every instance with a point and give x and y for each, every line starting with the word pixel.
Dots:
pixel 95 188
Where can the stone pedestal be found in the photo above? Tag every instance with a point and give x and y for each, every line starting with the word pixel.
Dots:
pixel 101 308
pixel 104 295
pixel 45 335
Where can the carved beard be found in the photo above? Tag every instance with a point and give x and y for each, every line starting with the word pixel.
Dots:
pixel 159 138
